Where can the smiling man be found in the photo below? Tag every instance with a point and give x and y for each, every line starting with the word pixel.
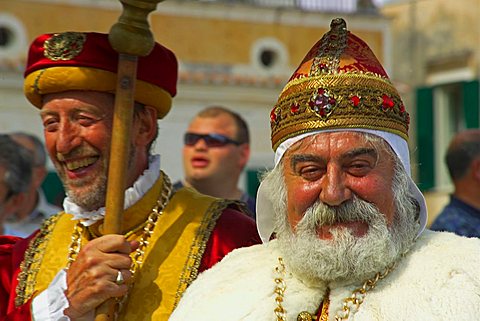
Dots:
pixel 342 221
pixel 67 269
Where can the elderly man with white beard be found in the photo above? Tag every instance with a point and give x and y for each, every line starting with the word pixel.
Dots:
pixel 342 221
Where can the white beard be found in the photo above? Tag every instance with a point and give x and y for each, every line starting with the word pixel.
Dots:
pixel 345 256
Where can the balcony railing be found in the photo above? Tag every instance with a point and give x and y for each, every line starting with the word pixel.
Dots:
pixel 307 5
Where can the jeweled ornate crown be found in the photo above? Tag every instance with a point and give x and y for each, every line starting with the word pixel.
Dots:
pixel 339 84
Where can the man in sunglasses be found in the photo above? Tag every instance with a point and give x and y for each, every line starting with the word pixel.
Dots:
pixel 15 175
pixel 216 150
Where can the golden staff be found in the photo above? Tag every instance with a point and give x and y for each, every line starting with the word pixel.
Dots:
pixel 130 37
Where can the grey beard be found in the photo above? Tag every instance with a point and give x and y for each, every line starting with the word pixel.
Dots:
pixel 345 256
pixel 95 198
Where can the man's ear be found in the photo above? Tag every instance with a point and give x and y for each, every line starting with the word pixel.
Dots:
pixel 145 128
pixel 244 155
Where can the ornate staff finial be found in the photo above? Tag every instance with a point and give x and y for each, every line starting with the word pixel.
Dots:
pixel 131 34
pixel 338 24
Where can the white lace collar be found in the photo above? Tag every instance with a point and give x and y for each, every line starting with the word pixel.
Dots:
pixel 132 194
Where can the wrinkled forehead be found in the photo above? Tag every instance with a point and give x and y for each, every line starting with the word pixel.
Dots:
pixel 396 143
pixel 83 95
pixel 345 141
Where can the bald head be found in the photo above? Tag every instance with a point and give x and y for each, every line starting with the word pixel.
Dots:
pixel 463 150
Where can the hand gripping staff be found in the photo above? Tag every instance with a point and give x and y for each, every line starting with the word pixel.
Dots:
pixel 130 37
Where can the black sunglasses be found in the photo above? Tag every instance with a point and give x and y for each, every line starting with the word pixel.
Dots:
pixel 211 140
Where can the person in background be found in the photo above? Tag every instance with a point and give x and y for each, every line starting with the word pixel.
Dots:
pixel 15 177
pixel 35 208
pixel 462 215
pixel 216 150
pixel 349 221
pixel 70 267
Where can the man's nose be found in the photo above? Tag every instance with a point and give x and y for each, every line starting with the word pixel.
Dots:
pixel 334 189
pixel 67 138
pixel 200 144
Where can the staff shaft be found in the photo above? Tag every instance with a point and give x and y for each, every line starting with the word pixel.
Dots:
pixel 119 151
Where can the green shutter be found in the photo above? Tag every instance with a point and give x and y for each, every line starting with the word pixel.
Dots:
pixel 53 188
pixel 471 103
pixel 253 180
pixel 425 138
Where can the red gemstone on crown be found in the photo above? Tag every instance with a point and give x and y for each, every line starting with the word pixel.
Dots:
pixel 273 116
pixel 322 103
pixel 323 67
pixel 294 108
pixel 387 103
pixel 355 100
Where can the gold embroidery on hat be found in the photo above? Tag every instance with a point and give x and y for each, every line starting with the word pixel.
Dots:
pixel 339 84
pixel 330 48
pixel 64 46
pixel 348 101
pixel 36 84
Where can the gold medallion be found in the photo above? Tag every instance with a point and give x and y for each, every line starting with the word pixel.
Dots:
pixel 64 46
pixel 305 316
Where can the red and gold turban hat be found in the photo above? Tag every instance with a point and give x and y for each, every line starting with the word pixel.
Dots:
pixel 86 61
pixel 339 84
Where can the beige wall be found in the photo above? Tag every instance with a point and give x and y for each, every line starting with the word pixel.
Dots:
pixel 201 34
pixel 216 37
pixel 436 201
pixel 439 29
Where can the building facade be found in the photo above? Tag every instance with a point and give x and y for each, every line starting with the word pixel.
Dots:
pixel 233 53
pixel 436 55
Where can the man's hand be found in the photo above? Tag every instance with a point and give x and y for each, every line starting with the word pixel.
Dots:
pixel 91 278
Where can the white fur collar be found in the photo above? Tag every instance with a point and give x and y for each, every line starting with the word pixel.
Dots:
pixel 439 279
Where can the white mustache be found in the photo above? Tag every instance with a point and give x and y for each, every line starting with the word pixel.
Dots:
pixel 320 214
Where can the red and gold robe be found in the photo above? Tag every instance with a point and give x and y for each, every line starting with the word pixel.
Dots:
pixel 193 233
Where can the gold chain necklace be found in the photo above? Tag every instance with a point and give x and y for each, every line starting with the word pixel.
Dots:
pixel 356 299
pixel 137 257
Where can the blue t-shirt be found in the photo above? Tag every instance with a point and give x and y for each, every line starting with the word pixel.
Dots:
pixel 458 217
